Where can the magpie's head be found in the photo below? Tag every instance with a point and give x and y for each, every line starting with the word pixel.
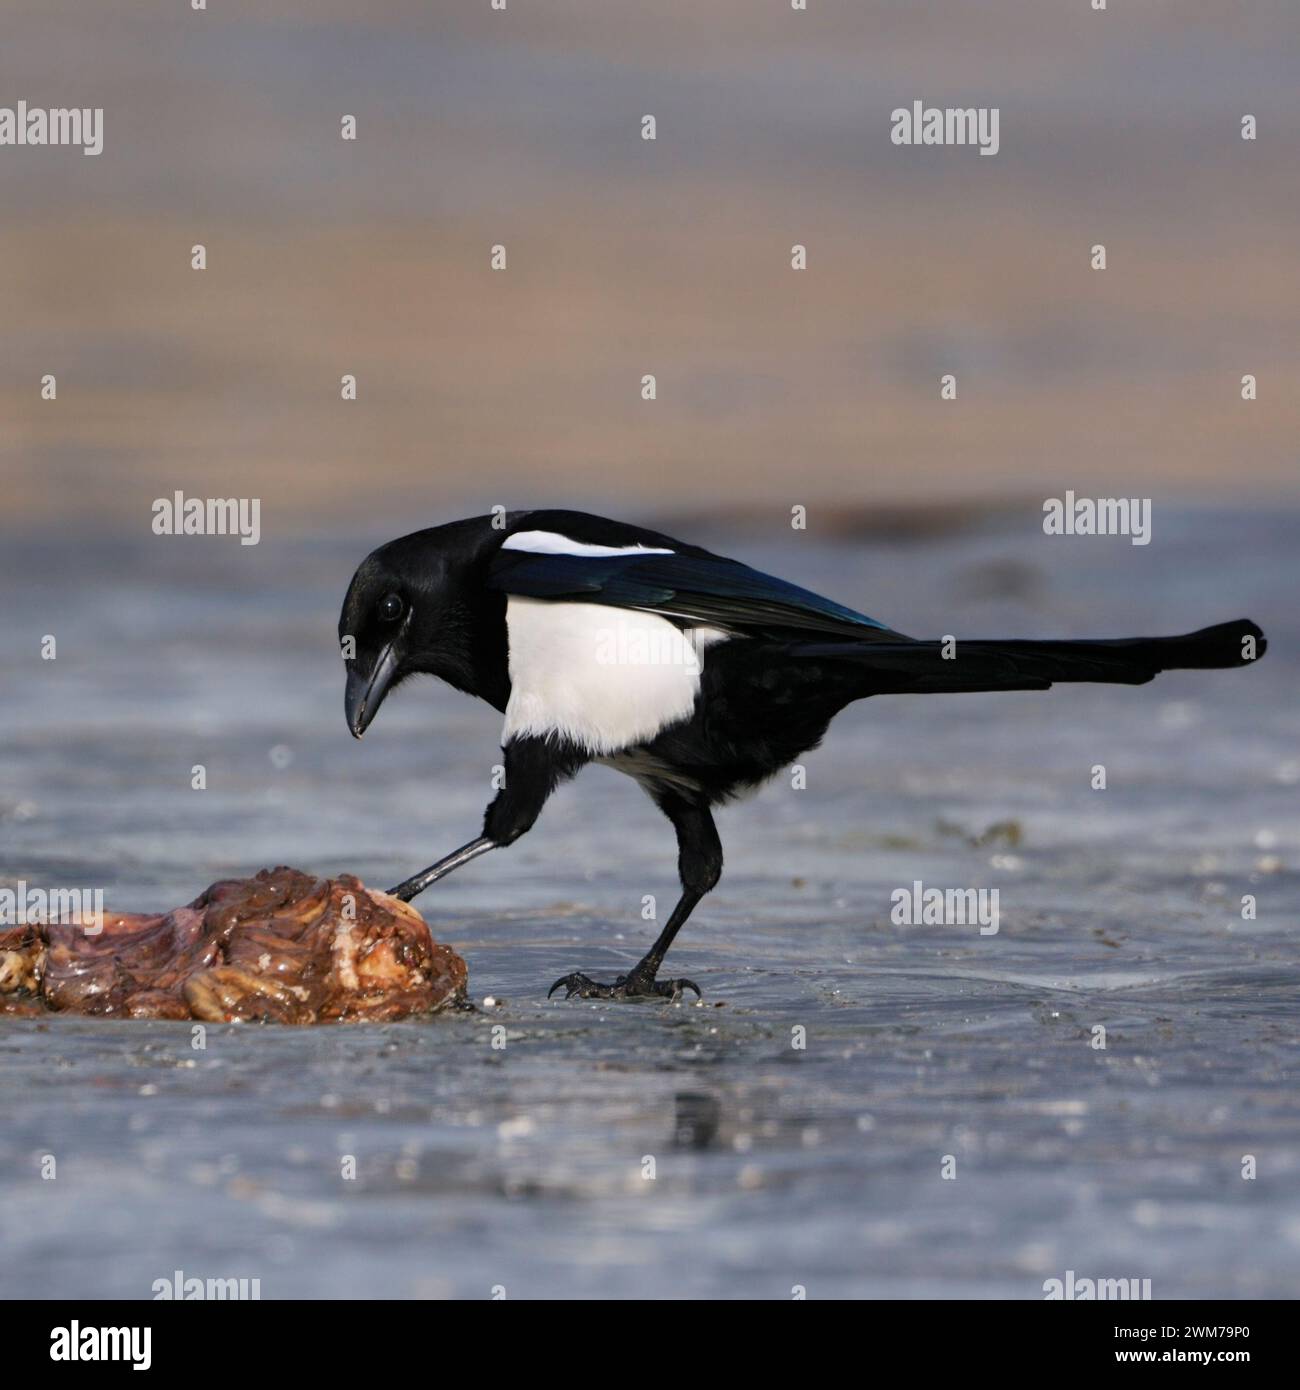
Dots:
pixel 417 605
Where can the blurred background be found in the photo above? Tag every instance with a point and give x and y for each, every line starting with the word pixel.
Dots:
pixel 777 1168
pixel 522 128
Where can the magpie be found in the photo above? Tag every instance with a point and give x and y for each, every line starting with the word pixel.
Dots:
pixel 693 674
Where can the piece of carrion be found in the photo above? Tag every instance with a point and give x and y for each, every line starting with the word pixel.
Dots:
pixel 282 947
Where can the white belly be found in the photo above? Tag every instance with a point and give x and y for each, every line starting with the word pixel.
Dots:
pixel 605 678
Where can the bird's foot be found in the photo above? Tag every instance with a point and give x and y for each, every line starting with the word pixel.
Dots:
pixel 640 984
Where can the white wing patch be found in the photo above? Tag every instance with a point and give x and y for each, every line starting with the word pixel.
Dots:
pixel 553 543
pixel 606 678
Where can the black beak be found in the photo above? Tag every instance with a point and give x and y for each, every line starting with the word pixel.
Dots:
pixel 365 693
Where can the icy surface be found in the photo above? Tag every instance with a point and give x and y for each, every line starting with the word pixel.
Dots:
pixel 524 1167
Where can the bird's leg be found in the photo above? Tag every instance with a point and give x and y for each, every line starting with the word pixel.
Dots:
pixel 417 883
pixel 641 981
pixel 700 865
pixel 534 767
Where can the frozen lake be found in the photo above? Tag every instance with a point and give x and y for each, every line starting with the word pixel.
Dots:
pixel 524 1167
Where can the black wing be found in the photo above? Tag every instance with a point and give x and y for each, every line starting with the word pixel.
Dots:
pixel 689 584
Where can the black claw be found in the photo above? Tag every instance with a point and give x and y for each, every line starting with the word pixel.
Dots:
pixel 572 984
pixel 624 987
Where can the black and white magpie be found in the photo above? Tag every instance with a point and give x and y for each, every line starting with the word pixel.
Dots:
pixel 692 673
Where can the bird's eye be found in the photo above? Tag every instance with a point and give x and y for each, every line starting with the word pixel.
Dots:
pixel 391 608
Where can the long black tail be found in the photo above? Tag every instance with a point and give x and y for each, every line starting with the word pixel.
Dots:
pixel 923 667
